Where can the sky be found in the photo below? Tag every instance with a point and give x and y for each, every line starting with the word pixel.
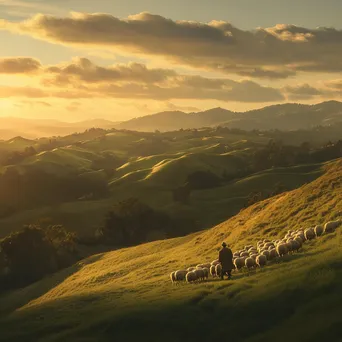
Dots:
pixel 75 60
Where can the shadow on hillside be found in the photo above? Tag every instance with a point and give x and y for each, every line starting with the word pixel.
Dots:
pixel 16 299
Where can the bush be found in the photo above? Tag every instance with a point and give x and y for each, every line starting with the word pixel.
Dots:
pixel 131 222
pixel 203 180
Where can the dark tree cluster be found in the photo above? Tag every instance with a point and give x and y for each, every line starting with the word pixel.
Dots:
pixel 131 222
pixel 28 255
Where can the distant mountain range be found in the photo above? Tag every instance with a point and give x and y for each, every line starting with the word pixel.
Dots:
pixel 288 116
pixel 285 117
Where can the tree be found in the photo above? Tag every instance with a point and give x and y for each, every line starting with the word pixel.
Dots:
pixel 130 221
pixel 29 255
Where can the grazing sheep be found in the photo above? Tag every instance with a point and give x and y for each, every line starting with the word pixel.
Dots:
pixel 250 263
pixel 173 277
pixel 261 260
pixel 319 229
pixel 282 249
pixel 191 277
pixel 330 226
pixel 254 256
pixel 236 254
pixel 189 269
pixel 299 239
pixel 199 273
pixel 309 234
pixel 289 246
pixel 266 253
pixel 206 272
pixel 273 254
pixel 213 271
pixel 180 275
pixel 215 262
pixel 239 263
pixel 244 254
pixel 207 265
pixel 218 269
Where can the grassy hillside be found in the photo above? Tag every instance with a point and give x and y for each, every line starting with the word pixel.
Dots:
pixel 127 295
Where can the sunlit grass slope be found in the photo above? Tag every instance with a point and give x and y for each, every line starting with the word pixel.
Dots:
pixel 126 295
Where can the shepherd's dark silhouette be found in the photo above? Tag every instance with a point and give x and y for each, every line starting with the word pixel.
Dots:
pixel 226 260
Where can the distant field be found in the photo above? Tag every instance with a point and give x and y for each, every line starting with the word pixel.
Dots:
pixel 208 207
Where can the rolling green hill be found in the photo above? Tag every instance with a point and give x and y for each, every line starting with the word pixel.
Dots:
pixel 127 295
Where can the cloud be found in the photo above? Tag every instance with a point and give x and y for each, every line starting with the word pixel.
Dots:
pixel 334 84
pixel 81 78
pixel 30 92
pixel 275 52
pixel 83 69
pixel 173 107
pixel 19 65
pixel 330 89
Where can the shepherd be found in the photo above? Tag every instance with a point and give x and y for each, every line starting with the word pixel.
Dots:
pixel 226 260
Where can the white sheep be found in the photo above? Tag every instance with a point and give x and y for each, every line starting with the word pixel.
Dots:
pixel 282 249
pixel 261 260
pixel 180 275
pixel 199 273
pixel 250 263
pixel 191 277
pixel 213 270
pixel 215 262
pixel 309 234
pixel 330 226
pixel 239 263
pixel 266 253
pixel 295 245
pixel 273 254
pixel 189 269
pixel 319 229
pixel 206 272
pixel 218 270
pixel 173 277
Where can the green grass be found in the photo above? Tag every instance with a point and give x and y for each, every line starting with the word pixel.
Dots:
pixel 208 207
pixel 127 295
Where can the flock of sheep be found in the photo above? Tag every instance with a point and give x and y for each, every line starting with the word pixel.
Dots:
pixel 251 257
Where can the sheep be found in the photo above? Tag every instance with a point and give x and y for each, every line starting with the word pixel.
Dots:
pixel 191 277
pixel 282 249
pixel 254 256
pixel 266 253
pixel 206 272
pixel 309 234
pixel 215 262
pixel 199 273
pixel 319 230
pixel 213 271
pixel 273 254
pixel 189 269
pixel 261 260
pixel 173 277
pixel 330 226
pixel 244 254
pixel 207 265
pixel 249 263
pixel 218 269
pixel 239 263
pixel 180 275
pixel 295 245
pixel 299 239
